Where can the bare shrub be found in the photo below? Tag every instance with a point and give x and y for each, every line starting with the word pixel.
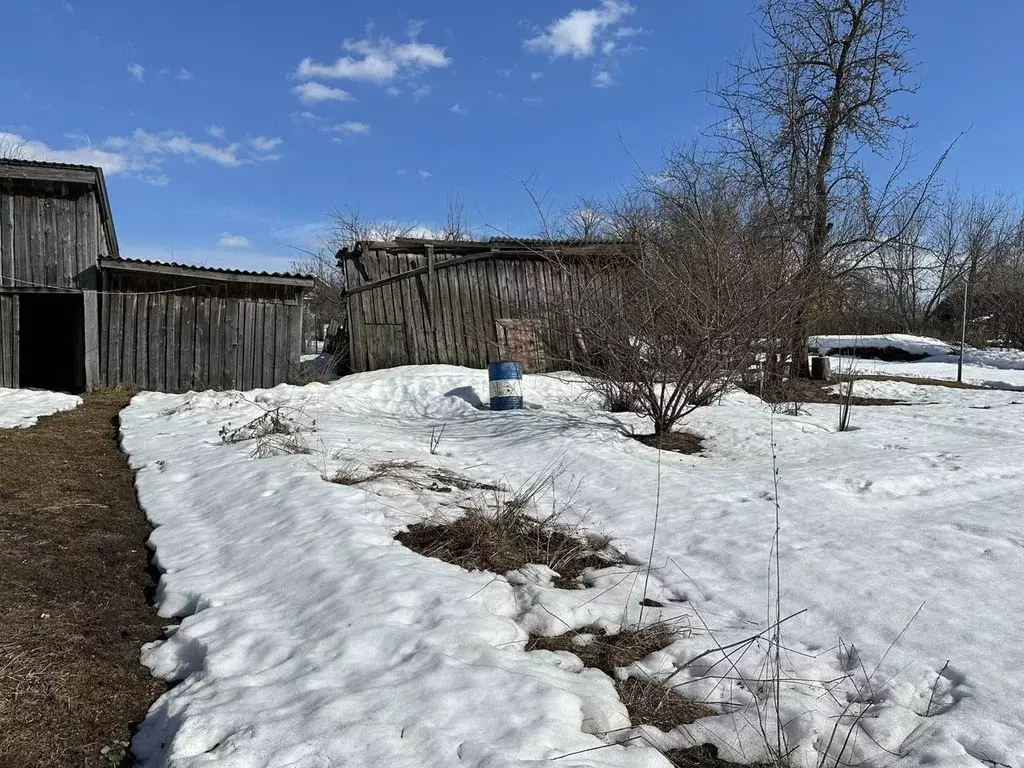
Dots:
pixel 678 315
pixel 274 432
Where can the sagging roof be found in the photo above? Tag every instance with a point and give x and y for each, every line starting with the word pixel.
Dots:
pixel 67 173
pixel 218 274
pixel 505 246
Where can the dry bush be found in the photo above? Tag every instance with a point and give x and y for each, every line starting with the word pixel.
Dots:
pixel 508 541
pixel 275 434
pixel 610 652
pixel 649 703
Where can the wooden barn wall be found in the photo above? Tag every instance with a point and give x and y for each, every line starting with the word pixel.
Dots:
pixel 461 320
pixel 9 348
pixel 51 235
pixel 232 336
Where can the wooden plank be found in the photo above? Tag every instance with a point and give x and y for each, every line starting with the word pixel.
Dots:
pixel 405 309
pixel 68 235
pixel 295 336
pixel 187 341
pixel 202 340
pixel 45 173
pixel 8 345
pixel 94 376
pixel 473 274
pixel 48 255
pixel 142 373
pixel 446 317
pixel 112 331
pixel 127 377
pixel 80 241
pixel 269 346
pixel 21 240
pixel 248 342
pixel 215 369
pixel 230 379
pixel 15 315
pixel 6 239
pixel 172 344
pixel 281 350
pixel 461 330
pixel 155 339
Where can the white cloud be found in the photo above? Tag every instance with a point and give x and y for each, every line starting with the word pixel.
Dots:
pixel 349 128
pixel 458 109
pixel 227 240
pixel 216 131
pixel 305 115
pixel 26 149
pixel 577 34
pixel 505 72
pixel 68 7
pixel 264 144
pixel 535 76
pixel 401 172
pixel 313 93
pixel 137 71
pixel 421 92
pixel 184 75
pixel 532 100
pixel 392 91
pixel 424 174
pixel 307 234
pixel 141 155
pixel 602 79
pixel 379 61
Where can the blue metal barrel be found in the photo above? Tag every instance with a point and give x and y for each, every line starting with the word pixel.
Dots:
pixel 506 386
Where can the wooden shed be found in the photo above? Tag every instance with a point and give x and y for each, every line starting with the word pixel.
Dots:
pixel 416 301
pixel 75 315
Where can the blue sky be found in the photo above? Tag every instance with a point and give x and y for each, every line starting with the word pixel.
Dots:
pixel 229 130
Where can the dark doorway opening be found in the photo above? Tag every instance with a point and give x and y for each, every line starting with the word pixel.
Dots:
pixel 52 341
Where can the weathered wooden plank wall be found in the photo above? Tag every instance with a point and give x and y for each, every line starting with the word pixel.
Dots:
pixel 50 234
pixel 9 347
pixel 158 336
pixel 460 315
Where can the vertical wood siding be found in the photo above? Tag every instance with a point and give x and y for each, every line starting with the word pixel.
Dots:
pixel 203 337
pixel 9 347
pixel 462 316
pixel 50 235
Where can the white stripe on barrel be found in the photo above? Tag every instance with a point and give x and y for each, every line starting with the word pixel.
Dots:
pixel 506 386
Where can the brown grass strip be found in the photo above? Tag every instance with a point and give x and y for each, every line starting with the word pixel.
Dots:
pixel 73 596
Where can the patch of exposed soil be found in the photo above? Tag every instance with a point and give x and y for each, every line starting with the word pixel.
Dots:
pixel 680 442
pixel 810 391
pixel 73 597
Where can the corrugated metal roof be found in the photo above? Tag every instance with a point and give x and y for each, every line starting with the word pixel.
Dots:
pixel 541 242
pixel 47 164
pixel 220 270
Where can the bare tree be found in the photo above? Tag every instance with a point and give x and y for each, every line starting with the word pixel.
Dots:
pixel 586 218
pixel 943 246
pixel 800 115
pixel 680 312
pixel 457 223
pixel 11 147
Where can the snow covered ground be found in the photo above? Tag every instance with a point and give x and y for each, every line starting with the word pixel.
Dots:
pixel 23 407
pixel 991 367
pixel 311 638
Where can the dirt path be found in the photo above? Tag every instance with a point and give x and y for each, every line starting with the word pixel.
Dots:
pixel 73 592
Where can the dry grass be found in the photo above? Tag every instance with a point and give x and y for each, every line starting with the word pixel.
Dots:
pixel 913 380
pixel 507 541
pixel 809 391
pixel 703 756
pixel 649 703
pixel 609 652
pixel 73 596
